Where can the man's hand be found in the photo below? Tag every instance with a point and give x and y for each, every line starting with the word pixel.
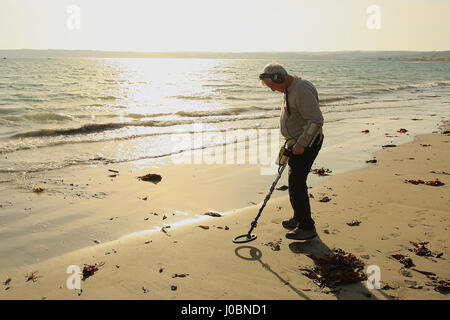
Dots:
pixel 298 149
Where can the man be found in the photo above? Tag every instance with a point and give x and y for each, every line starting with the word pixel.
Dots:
pixel 301 125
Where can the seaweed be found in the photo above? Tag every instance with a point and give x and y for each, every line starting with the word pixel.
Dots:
pixel 339 268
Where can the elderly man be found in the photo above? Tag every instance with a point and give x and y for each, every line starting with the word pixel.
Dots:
pixel 301 125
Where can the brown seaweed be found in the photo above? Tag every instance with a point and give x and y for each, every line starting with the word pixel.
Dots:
pixel 155 178
pixel 354 223
pixel 407 262
pixel 321 171
pixel 213 214
pixel 181 275
pixel 325 199
pixel 33 276
pixel 337 269
pixel 434 183
pixel 89 270
pixel 421 250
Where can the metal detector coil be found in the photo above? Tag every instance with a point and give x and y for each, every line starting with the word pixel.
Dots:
pixel 248 238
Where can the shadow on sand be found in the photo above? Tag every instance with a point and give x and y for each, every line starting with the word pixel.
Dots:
pixel 353 291
pixel 256 255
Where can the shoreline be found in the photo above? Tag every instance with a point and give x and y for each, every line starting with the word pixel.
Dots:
pixel 187 248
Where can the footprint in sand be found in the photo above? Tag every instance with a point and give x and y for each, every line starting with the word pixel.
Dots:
pixel 394 235
pixel 405 273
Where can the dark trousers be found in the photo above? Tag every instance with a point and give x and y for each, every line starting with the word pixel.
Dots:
pixel 299 167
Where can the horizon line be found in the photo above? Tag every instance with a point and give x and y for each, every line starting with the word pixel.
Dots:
pixel 228 52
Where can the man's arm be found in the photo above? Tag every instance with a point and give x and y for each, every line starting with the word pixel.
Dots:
pixel 309 109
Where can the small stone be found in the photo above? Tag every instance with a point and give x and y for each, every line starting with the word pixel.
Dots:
pixel 405 273
pixel 410 283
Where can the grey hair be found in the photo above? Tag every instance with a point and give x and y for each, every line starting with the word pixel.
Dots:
pixel 272 68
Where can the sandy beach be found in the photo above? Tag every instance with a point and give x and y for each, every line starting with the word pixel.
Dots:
pixel 172 257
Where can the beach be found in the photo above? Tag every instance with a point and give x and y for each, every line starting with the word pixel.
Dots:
pixel 154 241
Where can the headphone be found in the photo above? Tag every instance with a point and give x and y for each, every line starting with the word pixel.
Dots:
pixel 275 77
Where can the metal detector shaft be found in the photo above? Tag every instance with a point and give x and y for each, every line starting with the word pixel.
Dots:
pixel 283 158
pixel 254 222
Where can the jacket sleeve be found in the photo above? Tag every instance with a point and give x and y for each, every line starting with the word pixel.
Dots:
pixel 308 106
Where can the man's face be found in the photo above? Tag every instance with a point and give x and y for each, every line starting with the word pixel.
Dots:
pixel 274 86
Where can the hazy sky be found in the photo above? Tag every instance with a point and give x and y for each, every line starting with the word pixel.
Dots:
pixel 225 25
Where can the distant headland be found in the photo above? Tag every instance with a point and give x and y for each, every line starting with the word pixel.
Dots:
pixel 322 55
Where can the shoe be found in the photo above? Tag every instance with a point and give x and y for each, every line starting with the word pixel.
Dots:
pixel 300 234
pixel 290 224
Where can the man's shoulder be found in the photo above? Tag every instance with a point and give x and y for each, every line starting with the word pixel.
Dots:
pixel 303 85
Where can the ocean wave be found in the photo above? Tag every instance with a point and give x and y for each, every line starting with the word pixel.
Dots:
pixel 365 107
pixel 375 91
pixel 85 129
pixel 33 144
pixel 96 127
pixel 32 84
pixel 235 98
pixel 150 115
pixel 222 85
pixel 410 86
pixel 76 96
pixel 38 117
pixel 93 105
pixel 224 112
pixel 107 98
pixel 334 99
pixel 208 113
pixel 31 168
pixel 44 117
pixel 23 98
pixel 195 98
pixel 10 110
pixel 55 165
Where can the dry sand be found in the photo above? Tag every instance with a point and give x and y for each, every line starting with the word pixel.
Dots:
pixel 142 265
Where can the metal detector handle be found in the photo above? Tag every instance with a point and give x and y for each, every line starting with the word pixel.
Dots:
pixel 284 155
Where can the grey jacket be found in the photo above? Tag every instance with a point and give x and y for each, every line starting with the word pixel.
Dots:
pixel 305 118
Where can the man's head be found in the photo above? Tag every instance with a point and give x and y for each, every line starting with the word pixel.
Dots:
pixel 274 77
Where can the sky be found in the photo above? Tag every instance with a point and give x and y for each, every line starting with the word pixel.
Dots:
pixel 225 25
